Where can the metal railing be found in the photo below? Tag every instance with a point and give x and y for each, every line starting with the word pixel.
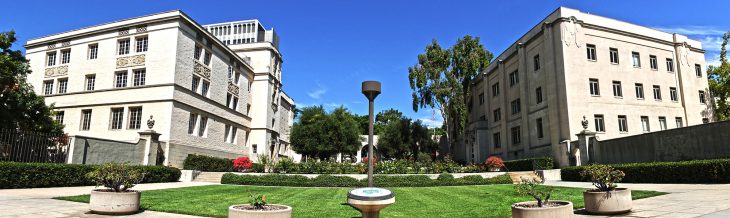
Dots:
pixel 24 146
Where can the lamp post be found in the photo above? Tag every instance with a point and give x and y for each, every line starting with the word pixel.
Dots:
pixel 371 90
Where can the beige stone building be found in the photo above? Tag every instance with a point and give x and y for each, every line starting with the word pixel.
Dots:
pixel 624 78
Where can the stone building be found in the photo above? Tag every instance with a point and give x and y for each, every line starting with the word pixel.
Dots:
pixel 623 78
pixel 107 80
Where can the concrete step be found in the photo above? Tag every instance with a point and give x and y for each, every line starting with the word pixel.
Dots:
pixel 517 176
pixel 212 177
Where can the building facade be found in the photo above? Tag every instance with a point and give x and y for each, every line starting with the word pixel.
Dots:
pixel 623 78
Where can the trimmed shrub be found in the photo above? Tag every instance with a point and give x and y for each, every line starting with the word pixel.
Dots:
pixel 345 181
pixel 242 163
pixel 529 164
pixel 37 175
pixel 155 174
pixel 445 177
pixel 695 171
pixel 207 163
pixel 258 168
pixel 336 181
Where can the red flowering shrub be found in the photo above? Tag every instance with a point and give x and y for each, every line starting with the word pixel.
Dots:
pixel 494 162
pixel 242 163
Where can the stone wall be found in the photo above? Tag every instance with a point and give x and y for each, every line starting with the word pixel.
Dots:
pixel 89 150
pixel 178 153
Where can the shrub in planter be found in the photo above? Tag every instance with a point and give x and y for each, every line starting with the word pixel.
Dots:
pixel 541 207
pixel 118 178
pixel 494 163
pixel 242 164
pixel 606 198
pixel 258 207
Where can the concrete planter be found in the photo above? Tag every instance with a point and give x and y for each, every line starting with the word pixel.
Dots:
pixel 114 203
pixel 617 201
pixel 564 210
pixel 240 213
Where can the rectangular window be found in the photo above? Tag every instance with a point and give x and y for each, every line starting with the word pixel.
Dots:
pixel 617 89
pixel 636 59
pixel 645 124
pixel 90 82
pixel 197 52
pixel 234 105
pixel 673 94
pixel 117 117
pixel 192 121
pixel 536 62
pixel 662 123
pixel 93 51
pixel 698 70
pixel 231 135
pixel 513 78
pixel 48 87
pixel 639 90
pixel 62 85
pixel 657 93
pixel 538 123
pixel 66 56
pixel 678 121
pixel 135 117
pixel 538 95
pixel 203 127
pixel 497 115
pixel 51 58
pixel 196 81
pixel 204 88
pixel 206 58
pixel 255 148
pixel 59 116
pixel 515 106
pixel 120 79
pixel 141 44
pixel 229 96
pixel 623 125
pixel 139 77
pixel 481 98
pixel 670 65
pixel 702 97
pixel 123 47
pixel 497 140
pixel 598 121
pixel 613 53
pixel 495 89
pixel 591 52
pixel 85 120
pixel 595 91
pixel 515 135
pixel 653 63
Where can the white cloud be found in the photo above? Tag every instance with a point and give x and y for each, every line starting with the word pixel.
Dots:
pixel 693 30
pixel 432 123
pixel 711 43
pixel 712 59
pixel 317 93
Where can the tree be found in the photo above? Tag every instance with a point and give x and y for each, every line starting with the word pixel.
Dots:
pixel 20 108
pixel 395 139
pixel 385 117
pixel 320 134
pixel 719 83
pixel 442 80
pixel 343 131
pixel 363 121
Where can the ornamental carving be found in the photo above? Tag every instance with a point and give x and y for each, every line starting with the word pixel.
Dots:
pixel 233 88
pixel 131 61
pixel 572 32
pixel 56 71
pixel 201 70
pixel 141 29
pixel 123 32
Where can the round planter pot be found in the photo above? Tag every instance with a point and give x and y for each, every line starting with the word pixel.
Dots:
pixel 564 210
pixel 114 203
pixel 240 213
pixel 617 201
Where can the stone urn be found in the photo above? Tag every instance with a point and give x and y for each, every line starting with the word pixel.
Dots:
pixel 617 201
pixel 551 209
pixel 108 202
pixel 269 211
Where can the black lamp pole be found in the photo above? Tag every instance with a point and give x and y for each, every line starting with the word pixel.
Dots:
pixel 370 89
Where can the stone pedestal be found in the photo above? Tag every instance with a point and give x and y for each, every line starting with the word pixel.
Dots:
pixel 150 149
pixel 583 155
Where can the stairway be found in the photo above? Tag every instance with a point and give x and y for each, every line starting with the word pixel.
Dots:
pixel 212 177
pixel 517 176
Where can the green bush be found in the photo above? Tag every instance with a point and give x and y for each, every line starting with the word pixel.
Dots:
pixel 37 175
pixel 258 168
pixel 695 171
pixel 445 177
pixel 529 164
pixel 207 163
pixel 345 181
pixel 336 181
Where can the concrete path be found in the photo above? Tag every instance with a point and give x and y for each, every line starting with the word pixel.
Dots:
pixel 37 202
pixel 683 200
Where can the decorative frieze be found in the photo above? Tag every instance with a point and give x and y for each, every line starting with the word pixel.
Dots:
pixel 124 32
pixel 233 88
pixel 131 61
pixel 141 29
pixel 201 70
pixel 56 71
pixel 65 44
pixel 51 46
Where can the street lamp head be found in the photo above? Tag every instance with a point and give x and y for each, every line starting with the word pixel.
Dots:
pixel 371 89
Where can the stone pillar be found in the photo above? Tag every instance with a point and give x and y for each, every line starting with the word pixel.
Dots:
pixel 584 137
pixel 150 148
pixel 358 156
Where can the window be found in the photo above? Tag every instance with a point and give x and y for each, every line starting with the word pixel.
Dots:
pixel 248 108
pixel 197 52
pixel 51 58
pixel 536 62
pixel 204 88
pixel 636 59
pixel 66 56
pixel 622 124
pixel 116 118
pixel 90 82
pixel 497 140
pixel 203 126
pixel 206 58
pixel 62 85
pixel 120 79
pixel 139 77
pixel 192 121
pixel 538 123
pixel 598 121
pixel 231 134
pixel 497 115
pixel 639 90
pixel 653 63
pixel 515 135
pixel 135 117
pixel 481 98
pixel 85 119
pixel 48 87
pixel 678 121
pixel 538 95
pixel 613 53
pixel 59 117
pixel 255 148
pixel 196 81
pixel 591 52
pixel 141 44
pixel 229 96
pixel 495 89
pixel 698 70
pixel 670 65
pixel 657 93
pixel 515 106
pixel 662 123
pixel 595 91
pixel 673 93
pixel 93 51
pixel 123 47
pixel 513 78
pixel 644 124
pixel 617 89
pixel 702 97
pixel 705 120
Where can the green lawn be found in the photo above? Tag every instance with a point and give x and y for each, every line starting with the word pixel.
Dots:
pixel 445 201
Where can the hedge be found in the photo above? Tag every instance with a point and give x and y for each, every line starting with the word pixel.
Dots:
pixel 37 175
pixel 540 163
pixel 695 171
pixel 207 163
pixel 346 181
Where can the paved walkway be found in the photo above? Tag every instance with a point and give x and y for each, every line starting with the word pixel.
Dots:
pixel 683 200
pixel 37 202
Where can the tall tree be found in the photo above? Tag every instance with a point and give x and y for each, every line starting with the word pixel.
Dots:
pixel 719 82
pixel 318 134
pixel 442 80
pixel 395 139
pixel 20 108
pixel 343 132
pixel 383 118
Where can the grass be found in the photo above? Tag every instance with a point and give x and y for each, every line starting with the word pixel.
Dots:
pixel 451 201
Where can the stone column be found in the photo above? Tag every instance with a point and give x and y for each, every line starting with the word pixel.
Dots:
pixel 150 148
pixel 584 136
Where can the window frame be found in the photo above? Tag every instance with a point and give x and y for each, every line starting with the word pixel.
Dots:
pixel 670 65
pixel 679 122
pixel 516 135
pixel 639 90
pixel 645 124
pixel 135 117
pixel 698 70
pixel 591 52
pixel 673 95
pixel 51 58
pixel 657 91
pixel 116 118
pixel 613 55
pixel 90 82
pixel 636 59
pixel 538 95
pixel 536 62
pixel 496 139
pixel 623 124
pixel 617 89
pixel 139 77
pixel 141 44
pixel 599 122
pixel 653 62
pixel 85 120
pixel 703 97
pixel 121 81
pixel 662 123
pixel 62 85
pixel 515 106
pixel 66 56
pixel 539 128
pixel 93 52
pixel 48 87
pixel 123 46
pixel 594 87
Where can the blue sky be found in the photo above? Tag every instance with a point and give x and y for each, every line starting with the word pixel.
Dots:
pixel 330 47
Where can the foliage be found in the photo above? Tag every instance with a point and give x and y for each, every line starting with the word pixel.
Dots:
pixel 695 171
pixel 346 181
pixel 38 175
pixel 719 83
pixel 116 176
pixel 284 165
pixel 242 163
pixel 266 162
pixel 383 118
pixel 445 177
pixel 529 164
pixel 494 162
pixel 363 123
pixel 604 177
pixel 321 135
pixel 207 163
pixel 257 201
pixel 258 168
pixel 535 189
pixel 20 107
